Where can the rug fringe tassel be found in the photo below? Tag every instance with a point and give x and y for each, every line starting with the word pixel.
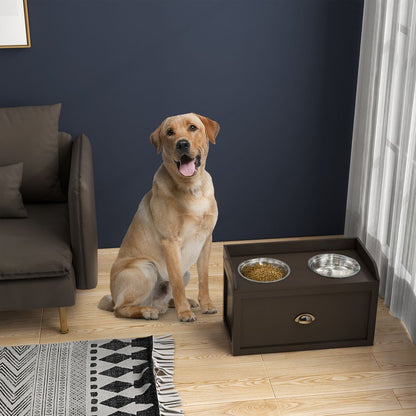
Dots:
pixel 163 359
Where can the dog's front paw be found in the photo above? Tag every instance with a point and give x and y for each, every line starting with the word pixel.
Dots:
pixel 150 313
pixel 186 316
pixel 208 307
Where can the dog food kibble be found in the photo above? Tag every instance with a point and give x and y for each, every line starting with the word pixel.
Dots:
pixel 264 272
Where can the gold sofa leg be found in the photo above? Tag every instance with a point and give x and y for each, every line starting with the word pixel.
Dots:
pixel 62 318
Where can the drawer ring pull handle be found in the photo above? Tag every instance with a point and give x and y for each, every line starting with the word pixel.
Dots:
pixel 305 319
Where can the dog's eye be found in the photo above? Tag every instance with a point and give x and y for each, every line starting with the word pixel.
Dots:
pixel 170 132
pixel 192 127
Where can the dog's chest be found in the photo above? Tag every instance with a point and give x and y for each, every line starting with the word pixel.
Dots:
pixel 197 226
pixel 199 219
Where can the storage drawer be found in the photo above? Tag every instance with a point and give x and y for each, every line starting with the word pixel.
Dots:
pixel 271 321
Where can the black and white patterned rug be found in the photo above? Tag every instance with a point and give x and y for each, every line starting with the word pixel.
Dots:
pixel 118 377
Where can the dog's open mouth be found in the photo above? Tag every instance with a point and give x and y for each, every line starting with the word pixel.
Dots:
pixel 188 166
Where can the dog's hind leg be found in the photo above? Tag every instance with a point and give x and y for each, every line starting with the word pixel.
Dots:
pixel 161 295
pixel 133 311
pixel 134 287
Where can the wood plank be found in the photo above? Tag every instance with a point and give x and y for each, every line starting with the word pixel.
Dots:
pixel 318 365
pixel 219 354
pixel 311 354
pixel 406 397
pixel 382 309
pixel 394 341
pixel 388 324
pixel 224 373
pixel 240 408
pixel 334 404
pixel 342 382
pixel 224 383
pixel 398 412
pixel 20 327
pixel 394 361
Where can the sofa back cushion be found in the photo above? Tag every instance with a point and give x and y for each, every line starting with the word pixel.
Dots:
pixel 30 135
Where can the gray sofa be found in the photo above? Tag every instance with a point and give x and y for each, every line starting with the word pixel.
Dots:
pixel 48 232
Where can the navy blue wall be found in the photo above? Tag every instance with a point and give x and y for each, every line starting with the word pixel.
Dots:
pixel 278 75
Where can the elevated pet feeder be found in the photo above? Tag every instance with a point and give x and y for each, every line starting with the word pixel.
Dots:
pixel 327 298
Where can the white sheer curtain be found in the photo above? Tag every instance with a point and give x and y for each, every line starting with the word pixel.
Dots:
pixel 381 207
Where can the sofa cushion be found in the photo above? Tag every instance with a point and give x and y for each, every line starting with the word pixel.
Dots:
pixel 11 204
pixel 47 292
pixel 37 246
pixel 30 135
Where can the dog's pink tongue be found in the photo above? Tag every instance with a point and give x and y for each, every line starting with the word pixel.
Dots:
pixel 188 168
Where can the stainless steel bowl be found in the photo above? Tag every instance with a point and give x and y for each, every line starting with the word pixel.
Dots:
pixel 334 265
pixel 264 260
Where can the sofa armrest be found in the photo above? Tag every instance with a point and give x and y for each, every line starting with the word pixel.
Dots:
pixel 82 217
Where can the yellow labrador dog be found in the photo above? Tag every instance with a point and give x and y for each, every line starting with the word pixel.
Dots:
pixel 172 228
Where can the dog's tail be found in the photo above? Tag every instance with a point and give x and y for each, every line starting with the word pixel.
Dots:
pixel 106 303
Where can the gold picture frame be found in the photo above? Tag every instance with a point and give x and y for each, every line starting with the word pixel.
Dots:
pixel 14 24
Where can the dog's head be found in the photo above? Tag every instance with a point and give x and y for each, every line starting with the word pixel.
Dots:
pixel 184 140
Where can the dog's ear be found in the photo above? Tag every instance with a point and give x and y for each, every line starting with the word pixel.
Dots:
pixel 211 127
pixel 156 140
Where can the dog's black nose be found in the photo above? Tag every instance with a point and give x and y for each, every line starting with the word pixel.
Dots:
pixel 183 146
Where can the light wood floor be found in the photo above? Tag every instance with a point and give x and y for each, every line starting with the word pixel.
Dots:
pixel 379 380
